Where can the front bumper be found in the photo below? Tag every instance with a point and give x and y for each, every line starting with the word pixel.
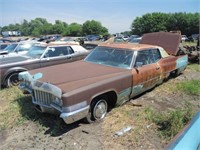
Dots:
pixel 49 101
pixel 68 114
pixel 70 117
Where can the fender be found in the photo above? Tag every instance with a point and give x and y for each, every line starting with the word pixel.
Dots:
pixel 103 92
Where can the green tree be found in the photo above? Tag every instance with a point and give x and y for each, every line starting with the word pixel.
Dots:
pixel 187 23
pixel 59 27
pixel 36 26
pixel 75 29
pixel 46 29
pixel 149 23
pixel 93 27
pixel 25 28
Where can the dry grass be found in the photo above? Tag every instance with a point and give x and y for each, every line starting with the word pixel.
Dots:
pixel 124 116
pixel 9 108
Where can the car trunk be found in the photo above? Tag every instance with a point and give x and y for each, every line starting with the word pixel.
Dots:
pixel 169 41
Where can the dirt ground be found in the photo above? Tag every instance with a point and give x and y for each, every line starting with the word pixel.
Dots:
pixel 41 135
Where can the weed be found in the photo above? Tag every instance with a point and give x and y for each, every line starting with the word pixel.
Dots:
pixel 189 43
pixel 170 123
pixel 190 87
pixel 194 67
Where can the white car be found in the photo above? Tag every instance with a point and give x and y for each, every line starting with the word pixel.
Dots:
pixel 184 38
pixel 16 49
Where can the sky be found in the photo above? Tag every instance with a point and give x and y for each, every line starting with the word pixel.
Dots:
pixel 116 15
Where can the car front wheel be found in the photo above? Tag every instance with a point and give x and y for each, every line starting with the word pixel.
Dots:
pixel 98 110
pixel 12 80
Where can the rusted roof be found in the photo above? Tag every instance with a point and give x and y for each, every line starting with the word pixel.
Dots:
pixel 128 46
pixel 169 41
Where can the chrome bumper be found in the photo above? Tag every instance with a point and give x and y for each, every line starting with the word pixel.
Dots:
pixel 69 114
pixel 68 117
pixel 71 117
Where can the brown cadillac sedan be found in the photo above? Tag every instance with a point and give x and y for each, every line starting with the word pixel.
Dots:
pixel 109 76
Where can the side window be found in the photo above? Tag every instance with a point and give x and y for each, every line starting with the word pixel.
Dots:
pixel 58 51
pixel 71 51
pixel 146 57
pixel 156 55
pixel 142 58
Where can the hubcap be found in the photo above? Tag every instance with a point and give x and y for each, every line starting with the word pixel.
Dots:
pixel 13 80
pixel 100 109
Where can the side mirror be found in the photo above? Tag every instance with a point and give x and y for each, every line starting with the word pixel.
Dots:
pixel 139 64
pixel 46 55
pixel 3 52
pixel 37 76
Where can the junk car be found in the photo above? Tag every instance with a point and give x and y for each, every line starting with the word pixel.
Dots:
pixel 109 76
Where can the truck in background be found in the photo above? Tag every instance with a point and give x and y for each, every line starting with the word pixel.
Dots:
pixel 10 33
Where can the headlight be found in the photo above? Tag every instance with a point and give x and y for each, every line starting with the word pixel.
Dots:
pixel 58 101
pixel 27 83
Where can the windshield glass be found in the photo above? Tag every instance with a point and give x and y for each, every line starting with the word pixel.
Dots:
pixel 24 47
pixel 111 57
pixel 10 48
pixel 36 51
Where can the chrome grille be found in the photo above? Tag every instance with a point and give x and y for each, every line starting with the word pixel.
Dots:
pixel 43 98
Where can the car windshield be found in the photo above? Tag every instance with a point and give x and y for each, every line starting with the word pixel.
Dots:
pixel 10 48
pixel 36 51
pixel 24 46
pixel 115 57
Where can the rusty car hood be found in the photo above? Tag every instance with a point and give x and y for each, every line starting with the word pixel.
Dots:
pixel 169 41
pixel 77 74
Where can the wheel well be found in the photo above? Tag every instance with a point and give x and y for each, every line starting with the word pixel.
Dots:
pixel 10 73
pixel 110 97
pixel 175 73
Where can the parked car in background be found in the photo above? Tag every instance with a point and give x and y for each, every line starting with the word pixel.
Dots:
pixel 15 49
pixel 192 38
pixel 3 46
pixel 119 39
pixel 93 37
pixel 135 40
pixel 184 38
pixel 132 37
pixel 125 37
pixel 109 76
pixel 6 40
pixel 49 38
pixel 40 55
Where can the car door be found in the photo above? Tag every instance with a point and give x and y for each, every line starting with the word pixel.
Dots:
pixel 57 55
pixel 146 71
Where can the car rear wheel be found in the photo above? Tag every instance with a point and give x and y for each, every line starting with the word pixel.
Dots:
pixel 98 110
pixel 12 80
